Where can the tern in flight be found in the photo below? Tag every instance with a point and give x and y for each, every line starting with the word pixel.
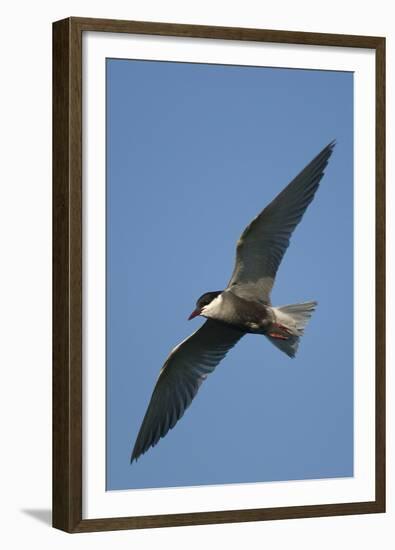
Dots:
pixel 244 307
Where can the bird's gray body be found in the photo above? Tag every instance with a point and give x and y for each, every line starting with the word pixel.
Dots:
pixel 249 316
pixel 283 325
pixel 243 307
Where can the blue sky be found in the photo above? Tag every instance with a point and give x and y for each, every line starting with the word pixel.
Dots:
pixel 194 152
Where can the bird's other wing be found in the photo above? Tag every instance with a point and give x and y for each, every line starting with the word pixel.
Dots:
pixel 185 369
pixel 263 243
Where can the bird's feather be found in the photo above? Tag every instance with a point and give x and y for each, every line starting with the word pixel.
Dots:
pixel 179 380
pixel 263 243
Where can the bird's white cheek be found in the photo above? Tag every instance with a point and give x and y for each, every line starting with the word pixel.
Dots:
pixel 213 309
pixel 203 311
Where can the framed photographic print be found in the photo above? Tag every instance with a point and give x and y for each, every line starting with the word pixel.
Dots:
pixel 236 177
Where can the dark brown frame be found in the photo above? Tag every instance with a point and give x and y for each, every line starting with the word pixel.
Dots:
pixel 67 274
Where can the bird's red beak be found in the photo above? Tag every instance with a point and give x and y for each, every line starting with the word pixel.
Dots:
pixel 194 313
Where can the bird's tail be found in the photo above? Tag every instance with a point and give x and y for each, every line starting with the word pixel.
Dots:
pixel 289 324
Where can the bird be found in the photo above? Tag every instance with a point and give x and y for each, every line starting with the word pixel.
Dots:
pixel 244 307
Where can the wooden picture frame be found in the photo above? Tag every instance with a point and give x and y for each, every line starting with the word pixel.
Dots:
pixel 68 268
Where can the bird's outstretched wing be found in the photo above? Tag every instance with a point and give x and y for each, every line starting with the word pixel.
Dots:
pixel 263 243
pixel 180 377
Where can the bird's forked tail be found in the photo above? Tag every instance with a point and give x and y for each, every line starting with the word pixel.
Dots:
pixel 289 324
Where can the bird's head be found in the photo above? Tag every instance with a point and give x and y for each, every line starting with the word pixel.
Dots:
pixel 203 302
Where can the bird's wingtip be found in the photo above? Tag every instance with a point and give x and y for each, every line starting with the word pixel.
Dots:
pixel 136 454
